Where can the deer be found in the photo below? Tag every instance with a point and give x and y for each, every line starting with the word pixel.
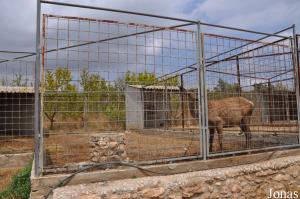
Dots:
pixel 227 112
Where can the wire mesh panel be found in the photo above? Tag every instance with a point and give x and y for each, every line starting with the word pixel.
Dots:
pixel 116 91
pixel 252 102
pixel 135 86
pixel 16 103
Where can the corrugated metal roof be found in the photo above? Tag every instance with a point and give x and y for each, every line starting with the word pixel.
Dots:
pixel 155 87
pixel 16 89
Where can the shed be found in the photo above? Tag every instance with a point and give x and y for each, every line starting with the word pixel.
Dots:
pixel 148 106
pixel 16 111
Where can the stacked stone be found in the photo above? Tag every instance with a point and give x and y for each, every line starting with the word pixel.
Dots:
pixel 106 147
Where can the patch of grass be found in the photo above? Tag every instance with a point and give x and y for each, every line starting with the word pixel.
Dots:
pixel 6 176
pixel 20 186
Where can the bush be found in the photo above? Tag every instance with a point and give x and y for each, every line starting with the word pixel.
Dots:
pixel 20 186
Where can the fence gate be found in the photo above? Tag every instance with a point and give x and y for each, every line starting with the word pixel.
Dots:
pixel 252 93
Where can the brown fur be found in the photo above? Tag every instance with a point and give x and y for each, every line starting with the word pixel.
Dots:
pixel 232 111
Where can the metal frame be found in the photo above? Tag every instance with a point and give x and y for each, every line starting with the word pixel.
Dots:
pixel 201 69
pixel 297 77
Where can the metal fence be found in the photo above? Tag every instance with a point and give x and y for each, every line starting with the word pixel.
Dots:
pixel 16 102
pixel 156 85
pixel 260 77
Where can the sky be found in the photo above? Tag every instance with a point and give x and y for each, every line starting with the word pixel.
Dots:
pixel 18 22
pixel 18 17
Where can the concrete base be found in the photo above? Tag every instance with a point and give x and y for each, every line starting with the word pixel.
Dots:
pixel 42 185
pixel 279 176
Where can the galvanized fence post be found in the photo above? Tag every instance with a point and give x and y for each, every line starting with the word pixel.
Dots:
pixel 202 96
pixel 37 104
pixel 296 68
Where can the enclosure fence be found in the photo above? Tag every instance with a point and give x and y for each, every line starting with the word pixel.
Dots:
pixel 111 90
pixel 16 102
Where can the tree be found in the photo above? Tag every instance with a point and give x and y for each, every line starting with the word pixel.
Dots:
pixel 224 86
pixel 95 90
pixel 18 80
pixel 144 78
pixel 59 93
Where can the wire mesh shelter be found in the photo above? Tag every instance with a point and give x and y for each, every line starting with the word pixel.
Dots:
pixel 168 88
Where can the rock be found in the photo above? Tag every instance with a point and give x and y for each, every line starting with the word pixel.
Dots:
pixel 91 196
pixel 120 196
pixel 258 181
pixel 218 183
pixel 96 154
pixel 115 158
pixel 235 188
pixel 204 196
pixel 265 173
pixel 103 159
pixel 214 195
pixel 278 186
pixel 175 196
pixel 153 192
pixel 191 190
pixel 107 147
pixel 210 189
pixel 113 144
pixel 224 190
pixel 95 159
pixel 221 177
pixel 121 147
pixel 101 143
pixel 281 177
pixel 294 171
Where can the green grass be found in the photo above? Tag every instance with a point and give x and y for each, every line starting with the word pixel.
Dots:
pixel 20 187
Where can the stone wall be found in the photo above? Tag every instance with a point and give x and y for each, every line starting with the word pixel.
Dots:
pixel 105 147
pixel 244 181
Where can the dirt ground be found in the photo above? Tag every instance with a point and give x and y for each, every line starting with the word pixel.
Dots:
pixel 5 176
pixel 62 148
pixel 15 144
pixel 155 145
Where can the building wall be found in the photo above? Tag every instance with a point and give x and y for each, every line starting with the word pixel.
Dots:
pixel 16 114
pixel 134 108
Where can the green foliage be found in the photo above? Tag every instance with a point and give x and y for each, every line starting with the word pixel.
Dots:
pixel 223 89
pixel 92 82
pixel 144 78
pixel 59 80
pixel 224 86
pixel 3 82
pixel 18 80
pixel 173 81
pixel 61 93
pixel 20 186
pixel 95 90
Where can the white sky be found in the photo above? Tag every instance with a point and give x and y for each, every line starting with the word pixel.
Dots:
pixel 17 17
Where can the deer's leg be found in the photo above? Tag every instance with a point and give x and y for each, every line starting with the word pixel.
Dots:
pixel 244 130
pixel 211 137
pixel 248 132
pixel 245 127
pixel 220 134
